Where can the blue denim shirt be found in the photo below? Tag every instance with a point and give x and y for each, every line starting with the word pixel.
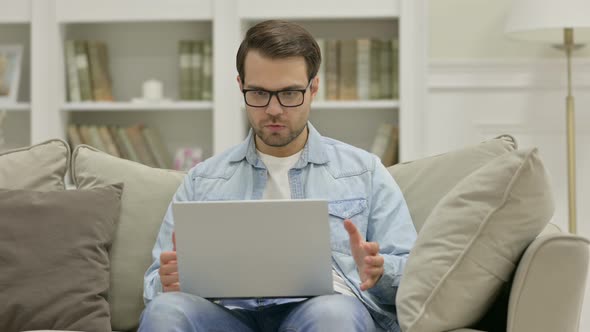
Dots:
pixel 357 187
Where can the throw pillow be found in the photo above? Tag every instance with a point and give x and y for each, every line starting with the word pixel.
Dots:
pixel 148 191
pixel 54 263
pixel 39 167
pixel 424 182
pixel 470 243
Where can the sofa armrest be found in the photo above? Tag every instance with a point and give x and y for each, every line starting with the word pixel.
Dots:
pixel 548 287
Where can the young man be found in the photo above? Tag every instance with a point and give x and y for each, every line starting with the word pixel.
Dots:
pixel 285 157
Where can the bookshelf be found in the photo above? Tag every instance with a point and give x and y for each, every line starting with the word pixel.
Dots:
pixel 15 29
pixel 142 37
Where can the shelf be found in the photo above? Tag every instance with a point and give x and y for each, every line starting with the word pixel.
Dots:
pixel 185 106
pixel 87 11
pixel 15 11
pixel 15 107
pixel 313 9
pixel 354 104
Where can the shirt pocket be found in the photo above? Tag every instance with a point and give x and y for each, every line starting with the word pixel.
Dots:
pixel 354 209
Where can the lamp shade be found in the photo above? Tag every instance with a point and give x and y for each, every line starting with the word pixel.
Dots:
pixel 544 20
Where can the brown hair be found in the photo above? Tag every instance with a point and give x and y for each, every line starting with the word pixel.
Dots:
pixel 278 39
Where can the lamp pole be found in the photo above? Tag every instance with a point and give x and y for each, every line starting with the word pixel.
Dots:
pixel 571 134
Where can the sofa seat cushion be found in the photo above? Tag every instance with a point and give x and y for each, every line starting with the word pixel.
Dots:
pixel 148 192
pixel 54 258
pixel 39 167
pixel 469 245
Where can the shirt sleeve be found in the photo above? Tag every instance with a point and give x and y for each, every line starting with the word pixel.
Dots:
pixel 391 226
pixel 152 285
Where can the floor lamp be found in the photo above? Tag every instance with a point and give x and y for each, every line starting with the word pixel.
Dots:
pixel 554 22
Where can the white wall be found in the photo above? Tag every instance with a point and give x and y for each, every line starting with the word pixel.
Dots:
pixel 482 84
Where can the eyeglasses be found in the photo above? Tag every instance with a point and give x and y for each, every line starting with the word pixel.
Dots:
pixel 287 98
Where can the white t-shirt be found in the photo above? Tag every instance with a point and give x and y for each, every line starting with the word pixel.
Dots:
pixel 277 187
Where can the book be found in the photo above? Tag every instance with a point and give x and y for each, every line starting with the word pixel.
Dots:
pixel 375 69
pixel 395 69
pixel 184 69
pixel 321 95
pixel 381 142
pixel 332 68
pixel 156 146
pixel 74 136
pixel 363 68
pixel 196 70
pixel 101 85
pixel 108 141
pixel 207 76
pixel 83 70
pixel 347 70
pixel 385 78
pixel 114 131
pixel 139 145
pixel 130 150
pixel 72 72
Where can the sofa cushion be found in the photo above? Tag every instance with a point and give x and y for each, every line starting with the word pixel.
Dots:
pixel 54 258
pixel 148 192
pixel 424 182
pixel 39 167
pixel 470 243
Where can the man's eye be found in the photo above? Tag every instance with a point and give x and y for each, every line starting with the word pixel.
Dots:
pixel 261 93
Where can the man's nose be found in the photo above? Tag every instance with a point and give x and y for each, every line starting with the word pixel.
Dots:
pixel 274 107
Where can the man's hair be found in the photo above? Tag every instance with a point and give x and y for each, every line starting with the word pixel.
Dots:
pixel 278 39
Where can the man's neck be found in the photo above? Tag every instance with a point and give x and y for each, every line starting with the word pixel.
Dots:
pixel 283 151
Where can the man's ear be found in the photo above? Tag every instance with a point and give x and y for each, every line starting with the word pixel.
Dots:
pixel 315 85
pixel 240 85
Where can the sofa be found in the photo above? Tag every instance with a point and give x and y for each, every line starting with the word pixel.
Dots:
pixel 487 257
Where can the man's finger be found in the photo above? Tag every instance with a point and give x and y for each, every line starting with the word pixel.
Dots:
pixel 171 267
pixel 373 272
pixel 377 260
pixel 172 288
pixel 174 240
pixel 372 248
pixel 369 283
pixel 169 279
pixel 355 236
pixel 167 256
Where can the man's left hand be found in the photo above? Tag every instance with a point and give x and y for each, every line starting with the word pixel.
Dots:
pixel 366 256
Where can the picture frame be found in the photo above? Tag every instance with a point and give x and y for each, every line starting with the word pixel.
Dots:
pixel 10 72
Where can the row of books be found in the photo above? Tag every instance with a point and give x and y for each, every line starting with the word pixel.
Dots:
pixel 195 69
pixel 137 143
pixel 87 71
pixel 360 69
pixel 386 144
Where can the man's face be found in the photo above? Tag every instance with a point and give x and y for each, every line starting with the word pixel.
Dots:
pixel 278 128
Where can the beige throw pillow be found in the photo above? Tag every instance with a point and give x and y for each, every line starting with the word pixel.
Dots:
pixel 471 241
pixel 148 191
pixel 424 182
pixel 54 261
pixel 39 167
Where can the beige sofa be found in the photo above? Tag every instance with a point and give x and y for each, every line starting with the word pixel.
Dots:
pixel 494 273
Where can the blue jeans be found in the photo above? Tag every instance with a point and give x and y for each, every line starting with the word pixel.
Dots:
pixel 177 311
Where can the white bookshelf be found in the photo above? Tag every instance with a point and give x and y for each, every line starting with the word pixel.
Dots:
pixel 142 38
pixel 184 106
pixel 15 29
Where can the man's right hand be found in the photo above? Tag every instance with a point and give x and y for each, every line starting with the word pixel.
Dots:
pixel 169 269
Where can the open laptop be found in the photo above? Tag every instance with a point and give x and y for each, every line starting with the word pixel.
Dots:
pixel 253 249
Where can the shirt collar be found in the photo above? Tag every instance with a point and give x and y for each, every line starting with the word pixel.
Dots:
pixel 313 151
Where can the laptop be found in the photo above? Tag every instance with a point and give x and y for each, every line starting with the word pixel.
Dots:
pixel 253 249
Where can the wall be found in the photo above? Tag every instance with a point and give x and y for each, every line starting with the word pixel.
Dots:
pixel 482 84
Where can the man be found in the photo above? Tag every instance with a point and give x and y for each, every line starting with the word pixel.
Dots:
pixel 285 157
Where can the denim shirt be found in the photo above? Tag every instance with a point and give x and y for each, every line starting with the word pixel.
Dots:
pixel 357 187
